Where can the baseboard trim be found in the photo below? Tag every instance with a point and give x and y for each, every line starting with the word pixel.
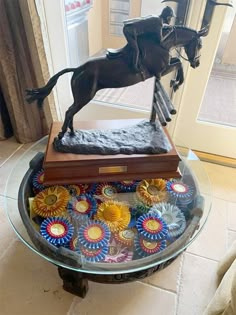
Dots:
pixel 216 159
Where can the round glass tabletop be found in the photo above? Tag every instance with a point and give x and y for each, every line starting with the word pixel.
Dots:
pixel 114 228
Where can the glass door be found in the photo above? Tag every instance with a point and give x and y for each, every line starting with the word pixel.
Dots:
pixel 207 102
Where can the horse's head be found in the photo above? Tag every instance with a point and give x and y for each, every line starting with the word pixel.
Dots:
pixel 192 49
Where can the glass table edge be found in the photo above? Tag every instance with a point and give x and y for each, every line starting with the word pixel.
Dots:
pixel 95 271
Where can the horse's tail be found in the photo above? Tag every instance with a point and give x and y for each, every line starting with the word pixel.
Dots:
pixel 41 93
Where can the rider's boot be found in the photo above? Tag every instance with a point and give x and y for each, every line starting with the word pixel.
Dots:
pixel 136 60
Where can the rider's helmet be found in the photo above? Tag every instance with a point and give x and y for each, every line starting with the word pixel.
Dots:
pixel 166 14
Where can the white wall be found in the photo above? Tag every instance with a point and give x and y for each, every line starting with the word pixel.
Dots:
pixel 95 111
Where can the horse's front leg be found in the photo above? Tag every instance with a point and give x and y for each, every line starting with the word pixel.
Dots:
pixel 175 64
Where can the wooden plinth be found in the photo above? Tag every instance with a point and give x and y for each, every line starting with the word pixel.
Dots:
pixel 68 168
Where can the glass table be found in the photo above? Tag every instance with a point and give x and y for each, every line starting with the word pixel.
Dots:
pixel 147 245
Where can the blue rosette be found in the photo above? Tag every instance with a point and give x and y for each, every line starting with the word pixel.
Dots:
pixel 37 181
pixel 93 255
pixel 152 227
pixel 90 188
pixel 94 235
pixel 82 205
pixel 126 186
pixel 146 248
pixel 105 191
pixel 180 193
pixel 57 230
pixel 75 190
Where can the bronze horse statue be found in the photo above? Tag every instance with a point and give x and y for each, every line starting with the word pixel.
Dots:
pixel 115 70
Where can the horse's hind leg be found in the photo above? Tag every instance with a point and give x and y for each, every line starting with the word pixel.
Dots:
pixel 71 125
pixel 68 117
pixel 84 87
pixel 72 132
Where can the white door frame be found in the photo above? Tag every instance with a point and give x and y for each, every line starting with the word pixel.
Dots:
pixel 53 20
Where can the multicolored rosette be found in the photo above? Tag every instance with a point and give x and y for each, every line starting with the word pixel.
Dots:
pixel 76 190
pixel 90 188
pixel 117 253
pixel 73 243
pixel 115 214
pixel 145 248
pixel 152 227
pixel 106 191
pixel 33 216
pixel 38 180
pixel 93 255
pixel 57 230
pixel 51 202
pixel 82 205
pixel 126 237
pixel 173 217
pixel 139 207
pixel 93 235
pixel 126 186
pixel 136 211
pixel 151 191
pixel 180 193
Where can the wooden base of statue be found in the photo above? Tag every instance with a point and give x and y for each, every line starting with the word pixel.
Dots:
pixel 67 168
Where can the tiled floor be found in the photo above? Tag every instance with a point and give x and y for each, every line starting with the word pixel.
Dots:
pixel 31 286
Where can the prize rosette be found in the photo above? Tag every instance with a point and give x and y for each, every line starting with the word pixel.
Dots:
pixel 139 207
pixel 126 186
pixel 126 237
pixel 73 243
pixel 36 220
pixel 179 192
pixel 38 180
pixel 90 188
pixel 82 205
pixel 106 191
pixel 115 214
pixel 57 230
pixel 117 253
pixel 145 248
pixel 93 235
pixel 93 255
pixel 173 217
pixel 51 202
pixel 132 222
pixel 152 227
pixel 136 211
pixel 151 191
pixel 76 190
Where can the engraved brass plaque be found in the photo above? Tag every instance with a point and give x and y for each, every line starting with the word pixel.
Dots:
pixel 112 169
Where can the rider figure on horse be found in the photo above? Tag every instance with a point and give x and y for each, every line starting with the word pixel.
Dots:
pixel 146 25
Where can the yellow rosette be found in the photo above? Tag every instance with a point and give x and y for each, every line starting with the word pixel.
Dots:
pixel 51 202
pixel 115 214
pixel 151 191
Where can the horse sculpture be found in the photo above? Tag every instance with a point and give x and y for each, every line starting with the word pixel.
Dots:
pixel 115 70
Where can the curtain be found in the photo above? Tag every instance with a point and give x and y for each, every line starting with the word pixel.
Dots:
pixel 5 122
pixel 23 65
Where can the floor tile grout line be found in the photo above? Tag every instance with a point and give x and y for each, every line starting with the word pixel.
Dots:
pixel 5 161
pixel 216 197
pixel 157 287
pixel 196 255
pixel 179 283
pixel 6 249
